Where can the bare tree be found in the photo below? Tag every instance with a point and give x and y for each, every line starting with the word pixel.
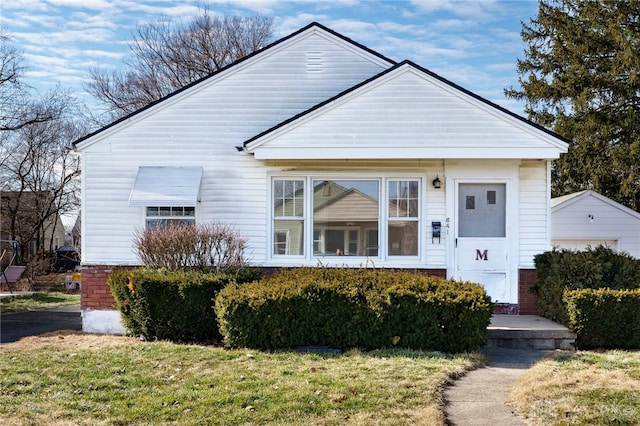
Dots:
pixel 38 175
pixel 17 108
pixel 168 56
pixel 39 182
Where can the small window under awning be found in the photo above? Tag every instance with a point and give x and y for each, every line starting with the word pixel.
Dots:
pixel 166 186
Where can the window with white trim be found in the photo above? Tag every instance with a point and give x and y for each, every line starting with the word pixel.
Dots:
pixel 402 220
pixel 165 216
pixel 288 216
pixel 365 217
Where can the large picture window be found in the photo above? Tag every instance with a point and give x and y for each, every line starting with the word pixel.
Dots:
pixel 346 217
pixel 370 217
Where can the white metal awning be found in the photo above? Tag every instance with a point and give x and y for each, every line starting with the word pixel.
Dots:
pixel 166 186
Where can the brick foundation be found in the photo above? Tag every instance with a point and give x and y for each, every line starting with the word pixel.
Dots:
pixel 95 293
pixel 527 301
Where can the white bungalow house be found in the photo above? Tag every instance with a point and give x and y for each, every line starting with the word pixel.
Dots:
pixel 589 219
pixel 317 148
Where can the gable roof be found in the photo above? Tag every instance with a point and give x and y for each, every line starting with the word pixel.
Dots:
pixel 406 114
pixel 559 203
pixel 310 28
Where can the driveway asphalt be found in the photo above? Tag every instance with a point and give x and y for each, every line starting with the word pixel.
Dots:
pixel 15 326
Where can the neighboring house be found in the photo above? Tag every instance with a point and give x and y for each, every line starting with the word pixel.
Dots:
pixel 586 218
pixel 74 238
pixel 25 217
pixel 320 150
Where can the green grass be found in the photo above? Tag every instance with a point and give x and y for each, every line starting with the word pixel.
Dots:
pixel 37 301
pixel 164 383
pixel 582 388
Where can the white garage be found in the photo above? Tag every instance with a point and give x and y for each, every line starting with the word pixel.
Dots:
pixel 586 218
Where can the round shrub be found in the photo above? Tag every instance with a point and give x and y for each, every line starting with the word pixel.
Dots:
pixel 171 305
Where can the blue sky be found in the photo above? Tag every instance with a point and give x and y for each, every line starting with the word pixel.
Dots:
pixel 474 43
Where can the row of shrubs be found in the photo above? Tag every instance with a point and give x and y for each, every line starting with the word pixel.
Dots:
pixel 336 307
pixel 593 292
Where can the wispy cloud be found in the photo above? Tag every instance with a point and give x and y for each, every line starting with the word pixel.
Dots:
pixel 468 42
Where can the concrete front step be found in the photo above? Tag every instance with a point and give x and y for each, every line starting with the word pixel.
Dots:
pixel 528 332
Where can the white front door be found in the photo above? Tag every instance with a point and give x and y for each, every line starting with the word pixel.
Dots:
pixel 481 249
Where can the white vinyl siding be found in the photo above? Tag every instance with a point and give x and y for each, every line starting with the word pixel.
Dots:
pixel 406 114
pixel 534 211
pixel 190 130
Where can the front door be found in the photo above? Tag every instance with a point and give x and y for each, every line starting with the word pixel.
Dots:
pixel 481 237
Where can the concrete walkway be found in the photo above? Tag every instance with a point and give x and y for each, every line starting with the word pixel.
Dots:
pixel 515 343
pixel 478 398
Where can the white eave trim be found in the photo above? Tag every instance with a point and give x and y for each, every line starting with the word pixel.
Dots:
pixel 371 153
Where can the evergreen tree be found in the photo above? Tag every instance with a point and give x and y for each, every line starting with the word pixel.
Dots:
pixel 581 78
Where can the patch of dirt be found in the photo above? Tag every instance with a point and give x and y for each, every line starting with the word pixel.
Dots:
pixel 67 339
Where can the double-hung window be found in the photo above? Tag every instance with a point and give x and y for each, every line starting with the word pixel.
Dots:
pixel 288 213
pixel 402 220
pixel 365 217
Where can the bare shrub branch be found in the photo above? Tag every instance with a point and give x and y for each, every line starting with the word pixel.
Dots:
pixel 183 246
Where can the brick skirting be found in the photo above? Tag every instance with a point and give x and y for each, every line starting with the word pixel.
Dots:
pixel 527 301
pixel 96 294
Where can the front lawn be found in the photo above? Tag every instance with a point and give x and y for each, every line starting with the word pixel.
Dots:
pixel 583 388
pixel 81 379
pixel 37 301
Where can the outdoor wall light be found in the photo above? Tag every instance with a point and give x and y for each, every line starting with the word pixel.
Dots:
pixel 590 216
pixel 436 182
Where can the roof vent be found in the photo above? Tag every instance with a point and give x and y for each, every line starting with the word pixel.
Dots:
pixel 314 62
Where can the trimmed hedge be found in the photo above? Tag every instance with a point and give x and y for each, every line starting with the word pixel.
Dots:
pixel 561 270
pixel 171 305
pixel 604 318
pixel 346 308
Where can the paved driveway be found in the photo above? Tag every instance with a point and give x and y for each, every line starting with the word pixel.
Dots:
pixel 15 326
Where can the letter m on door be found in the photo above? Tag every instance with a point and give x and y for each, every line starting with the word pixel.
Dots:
pixel 482 255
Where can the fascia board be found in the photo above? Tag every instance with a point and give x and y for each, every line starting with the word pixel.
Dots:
pixel 394 153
